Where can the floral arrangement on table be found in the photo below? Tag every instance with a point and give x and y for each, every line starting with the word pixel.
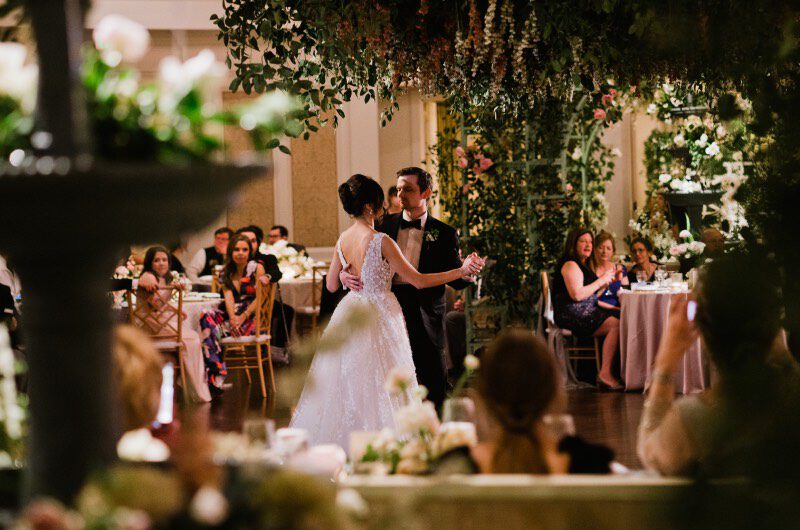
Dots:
pixel 421 439
pixel 12 405
pixel 292 264
pixel 652 224
pixel 689 251
pixel 129 271
pixel 173 119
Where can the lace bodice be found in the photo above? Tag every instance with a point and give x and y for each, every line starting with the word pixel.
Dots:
pixel 376 274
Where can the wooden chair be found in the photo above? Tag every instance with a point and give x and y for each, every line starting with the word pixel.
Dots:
pixel 163 323
pixel 215 281
pixel 575 352
pixel 317 274
pixel 244 353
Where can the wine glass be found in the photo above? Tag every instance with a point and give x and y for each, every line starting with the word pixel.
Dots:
pixel 641 276
pixel 660 276
pixel 459 410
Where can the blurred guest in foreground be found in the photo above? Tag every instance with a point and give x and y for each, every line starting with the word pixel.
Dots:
pixel 642 255
pixel 714 241
pixel 235 315
pixel 137 371
pixel 575 292
pixel 281 233
pixel 739 324
pixel 206 260
pixel 8 278
pixel 601 263
pixel 518 383
pixel 153 298
pixel 393 204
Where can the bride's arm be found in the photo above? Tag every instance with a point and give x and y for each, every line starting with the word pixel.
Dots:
pixel 332 281
pixel 406 271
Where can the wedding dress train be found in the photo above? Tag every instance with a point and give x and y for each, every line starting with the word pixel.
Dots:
pixel 345 390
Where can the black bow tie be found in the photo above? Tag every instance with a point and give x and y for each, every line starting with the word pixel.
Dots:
pixel 416 223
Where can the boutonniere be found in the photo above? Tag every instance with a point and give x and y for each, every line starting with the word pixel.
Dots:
pixel 431 235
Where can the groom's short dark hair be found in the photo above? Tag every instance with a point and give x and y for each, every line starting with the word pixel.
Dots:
pixel 424 179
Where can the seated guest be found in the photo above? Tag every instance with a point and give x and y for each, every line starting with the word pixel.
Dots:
pixel 206 260
pixel 714 241
pixel 8 278
pixel 518 383
pixel 604 250
pixel 642 255
pixel 393 204
pixel 282 314
pixel 575 293
pixel 235 316
pixel 153 297
pixel 137 373
pixel 739 323
pixel 281 233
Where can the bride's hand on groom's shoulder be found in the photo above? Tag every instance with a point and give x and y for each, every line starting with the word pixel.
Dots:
pixel 350 281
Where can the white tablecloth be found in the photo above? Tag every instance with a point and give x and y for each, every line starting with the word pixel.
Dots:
pixel 297 292
pixel 642 322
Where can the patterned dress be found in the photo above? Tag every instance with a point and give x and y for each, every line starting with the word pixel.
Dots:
pixel 582 317
pixel 215 325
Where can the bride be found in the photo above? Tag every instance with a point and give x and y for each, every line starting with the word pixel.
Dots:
pixel 345 390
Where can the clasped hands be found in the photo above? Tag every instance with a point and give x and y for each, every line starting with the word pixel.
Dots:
pixel 469 268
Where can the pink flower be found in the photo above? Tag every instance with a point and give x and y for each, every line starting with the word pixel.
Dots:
pixel 462 162
pixel 599 114
pixel 569 187
pixel 465 188
pixel 606 99
pixel 612 92
pixel 486 163
pixel 477 169
pixel 460 151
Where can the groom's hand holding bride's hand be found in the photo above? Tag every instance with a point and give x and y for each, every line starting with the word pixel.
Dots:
pixel 472 266
pixel 350 281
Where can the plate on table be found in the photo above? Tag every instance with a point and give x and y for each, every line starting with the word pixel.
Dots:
pixel 646 287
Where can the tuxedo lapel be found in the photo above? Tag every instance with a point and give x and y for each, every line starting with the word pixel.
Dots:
pixel 393 226
pixel 431 226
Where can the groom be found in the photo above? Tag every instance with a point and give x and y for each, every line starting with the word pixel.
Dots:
pixel 430 246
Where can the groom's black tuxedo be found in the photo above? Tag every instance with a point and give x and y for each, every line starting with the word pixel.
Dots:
pixel 424 309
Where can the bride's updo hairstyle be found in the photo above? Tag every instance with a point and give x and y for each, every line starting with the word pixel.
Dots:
pixel 518 382
pixel 358 192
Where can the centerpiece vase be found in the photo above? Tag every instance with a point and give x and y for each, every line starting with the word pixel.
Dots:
pixel 683 205
pixel 66 219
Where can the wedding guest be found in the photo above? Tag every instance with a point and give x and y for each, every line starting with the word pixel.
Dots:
pixel 642 255
pixel 137 372
pixel 7 277
pixel 575 293
pixel 206 260
pixel 739 324
pixel 153 296
pixel 282 314
pixel 714 241
pixel 235 316
pixel 393 204
pixel 518 383
pixel 281 233
pixel 604 251
pixel 177 253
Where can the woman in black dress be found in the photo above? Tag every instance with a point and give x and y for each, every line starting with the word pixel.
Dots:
pixel 642 254
pixel 575 293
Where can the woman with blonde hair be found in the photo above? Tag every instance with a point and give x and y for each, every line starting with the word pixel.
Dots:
pixel 601 264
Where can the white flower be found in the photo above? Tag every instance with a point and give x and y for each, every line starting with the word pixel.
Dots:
pixel 127 519
pixel 679 140
pixel 471 362
pixel 120 39
pixel 398 380
pixel 737 156
pixel 421 392
pixel 202 72
pixel 577 153
pixel 677 250
pixel 417 417
pixel 712 149
pixel 140 446
pixel 693 121
pixel 18 80
pixel 413 458
pixel 721 132
pixel 456 434
pixel 351 502
pixel 664 178
pixel 676 184
pixel 675 102
pixel 652 108
pixel 702 141
pixel 668 88
pixel 616 152
pixel 685 234
pixel 209 506
pixel 696 247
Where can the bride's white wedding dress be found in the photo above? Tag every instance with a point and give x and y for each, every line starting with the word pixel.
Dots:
pixel 345 390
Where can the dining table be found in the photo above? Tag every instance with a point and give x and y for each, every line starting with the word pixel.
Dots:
pixel 643 318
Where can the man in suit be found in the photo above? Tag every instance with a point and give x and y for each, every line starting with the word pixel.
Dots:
pixel 281 233
pixel 431 246
pixel 204 262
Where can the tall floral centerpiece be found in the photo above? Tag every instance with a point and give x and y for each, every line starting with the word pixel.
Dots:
pixel 292 264
pixel 101 161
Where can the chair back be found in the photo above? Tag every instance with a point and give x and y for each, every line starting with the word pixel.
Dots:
pixel 317 274
pixel 265 302
pixel 156 315
pixel 215 285
pixel 547 301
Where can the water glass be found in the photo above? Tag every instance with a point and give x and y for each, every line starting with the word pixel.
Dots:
pixel 660 276
pixel 459 410
pixel 289 441
pixel 641 276
pixel 559 425
pixel 259 432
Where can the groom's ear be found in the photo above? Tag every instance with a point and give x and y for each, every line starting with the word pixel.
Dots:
pixel 426 194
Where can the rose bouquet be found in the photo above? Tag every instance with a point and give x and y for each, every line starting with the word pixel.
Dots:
pixel 689 251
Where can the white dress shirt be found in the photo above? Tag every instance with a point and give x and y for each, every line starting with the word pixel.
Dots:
pixel 410 241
